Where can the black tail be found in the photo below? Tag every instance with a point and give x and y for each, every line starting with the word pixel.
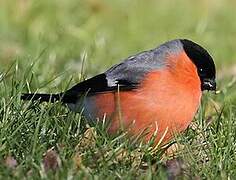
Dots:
pixel 42 97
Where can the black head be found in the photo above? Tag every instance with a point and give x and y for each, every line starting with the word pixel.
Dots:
pixel 204 63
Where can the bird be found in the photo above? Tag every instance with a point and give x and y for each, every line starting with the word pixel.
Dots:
pixel 158 91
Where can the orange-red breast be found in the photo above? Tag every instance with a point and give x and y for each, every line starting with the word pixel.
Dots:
pixel 159 89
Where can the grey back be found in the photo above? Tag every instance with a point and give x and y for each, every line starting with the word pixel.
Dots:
pixel 133 69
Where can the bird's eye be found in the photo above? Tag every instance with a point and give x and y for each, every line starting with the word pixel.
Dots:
pixel 202 72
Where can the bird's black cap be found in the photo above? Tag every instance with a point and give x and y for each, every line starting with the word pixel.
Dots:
pixel 204 63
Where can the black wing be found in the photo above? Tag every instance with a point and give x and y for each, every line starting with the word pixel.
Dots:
pixel 96 84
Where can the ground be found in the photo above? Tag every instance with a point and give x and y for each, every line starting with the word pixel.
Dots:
pixel 47 46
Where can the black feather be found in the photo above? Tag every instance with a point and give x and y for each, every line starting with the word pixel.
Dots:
pixel 41 97
pixel 96 84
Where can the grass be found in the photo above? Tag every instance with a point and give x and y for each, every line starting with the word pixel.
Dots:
pixel 47 46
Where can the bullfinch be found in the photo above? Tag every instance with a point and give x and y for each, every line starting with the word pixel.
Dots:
pixel 158 90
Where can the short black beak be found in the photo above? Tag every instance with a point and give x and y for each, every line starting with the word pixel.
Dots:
pixel 209 84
